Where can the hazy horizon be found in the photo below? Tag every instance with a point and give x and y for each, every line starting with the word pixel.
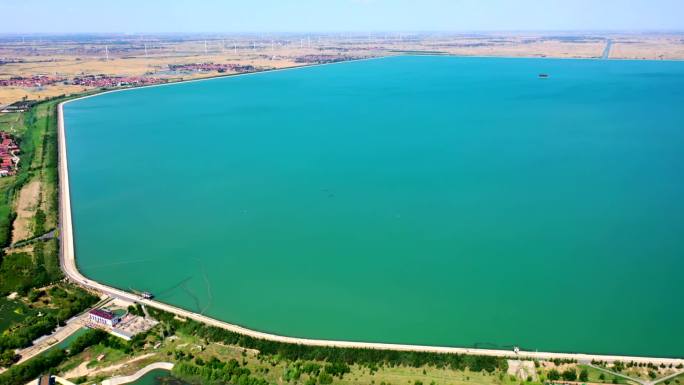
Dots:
pixel 340 16
pixel 350 33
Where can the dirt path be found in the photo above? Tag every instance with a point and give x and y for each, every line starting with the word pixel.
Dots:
pixel 83 370
pixel 138 374
pixel 26 209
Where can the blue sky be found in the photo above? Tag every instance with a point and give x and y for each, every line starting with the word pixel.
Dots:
pixel 148 16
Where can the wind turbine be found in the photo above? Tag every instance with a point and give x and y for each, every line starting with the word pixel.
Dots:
pixel 106 53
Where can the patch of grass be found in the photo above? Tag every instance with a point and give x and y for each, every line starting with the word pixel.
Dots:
pixel 111 356
pixel 599 376
pixel 679 380
pixel 18 272
pixel 11 312
pixel 6 218
pixel 51 258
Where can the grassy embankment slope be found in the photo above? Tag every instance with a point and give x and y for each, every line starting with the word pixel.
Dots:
pixel 28 209
pixel 28 266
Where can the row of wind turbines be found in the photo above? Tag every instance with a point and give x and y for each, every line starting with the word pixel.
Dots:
pixel 263 44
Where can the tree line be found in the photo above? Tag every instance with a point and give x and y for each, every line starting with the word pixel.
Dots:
pixel 349 356
pixel 215 371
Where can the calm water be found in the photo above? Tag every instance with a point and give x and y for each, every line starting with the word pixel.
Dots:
pixel 158 377
pixel 427 200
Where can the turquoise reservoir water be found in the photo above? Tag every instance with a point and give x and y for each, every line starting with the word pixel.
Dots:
pixel 158 377
pixel 425 200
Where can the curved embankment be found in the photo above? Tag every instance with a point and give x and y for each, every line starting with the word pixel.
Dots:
pixel 68 263
pixel 138 374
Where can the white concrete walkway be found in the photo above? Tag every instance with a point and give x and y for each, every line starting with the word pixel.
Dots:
pixel 138 374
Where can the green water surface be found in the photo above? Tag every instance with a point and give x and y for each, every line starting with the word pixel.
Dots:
pixel 424 200
pixel 158 377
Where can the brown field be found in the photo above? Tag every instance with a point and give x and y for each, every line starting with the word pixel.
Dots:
pixel 26 207
pixel 638 47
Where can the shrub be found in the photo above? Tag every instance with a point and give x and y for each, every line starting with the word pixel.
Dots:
pixel 554 375
pixel 325 379
pixel 569 375
pixel 584 375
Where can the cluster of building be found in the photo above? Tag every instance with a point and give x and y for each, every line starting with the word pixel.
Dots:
pixel 126 326
pixel 10 60
pixel 323 59
pixel 30 81
pixel 102 81
pixel 98 81
pixel 20 106
pixel 9 159
pixel 209 67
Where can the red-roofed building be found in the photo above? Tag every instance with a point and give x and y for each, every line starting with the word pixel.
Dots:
pixel 101 317
pixel 8 154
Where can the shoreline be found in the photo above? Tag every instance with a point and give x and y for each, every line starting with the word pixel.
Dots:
pixel 68 264
pixel 120 380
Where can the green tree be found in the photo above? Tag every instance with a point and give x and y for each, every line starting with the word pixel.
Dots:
pixel 554 375
pixel 584 375
pixel 569 375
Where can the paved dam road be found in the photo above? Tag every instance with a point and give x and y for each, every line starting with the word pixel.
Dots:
pixel 606 51
pixel 68 264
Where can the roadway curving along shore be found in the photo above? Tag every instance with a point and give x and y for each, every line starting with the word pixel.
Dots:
pixel 68 263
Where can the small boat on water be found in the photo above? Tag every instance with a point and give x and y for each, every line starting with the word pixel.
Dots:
pixel 543 76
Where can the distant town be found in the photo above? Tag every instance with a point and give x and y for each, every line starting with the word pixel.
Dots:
pixel 36 67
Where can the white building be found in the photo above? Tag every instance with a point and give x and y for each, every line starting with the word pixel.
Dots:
pixel 101 317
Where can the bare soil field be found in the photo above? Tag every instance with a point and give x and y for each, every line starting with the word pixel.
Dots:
pixel 26 208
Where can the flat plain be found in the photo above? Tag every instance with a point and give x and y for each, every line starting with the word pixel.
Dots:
pixel 67 56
